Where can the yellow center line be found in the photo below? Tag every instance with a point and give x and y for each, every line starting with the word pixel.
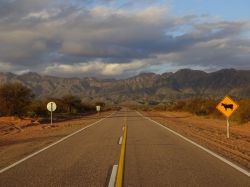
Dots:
pixel 120 171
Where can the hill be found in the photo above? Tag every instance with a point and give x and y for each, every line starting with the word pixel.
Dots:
pixel 146 88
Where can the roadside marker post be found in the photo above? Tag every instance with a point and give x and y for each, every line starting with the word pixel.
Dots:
pixel 227 107
pixel 51 106
pixel 98 109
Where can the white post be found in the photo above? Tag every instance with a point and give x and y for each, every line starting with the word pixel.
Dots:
pixel 51 114
pixel 227 128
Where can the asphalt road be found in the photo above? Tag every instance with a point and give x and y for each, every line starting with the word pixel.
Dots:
pixel 85 159
pixel 154 157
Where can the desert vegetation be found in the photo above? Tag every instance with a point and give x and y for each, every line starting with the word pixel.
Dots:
pixel 198 106
pixel 243 113
pixel 14 99
pixel 203 107
pixel 18 100
pixel 207 107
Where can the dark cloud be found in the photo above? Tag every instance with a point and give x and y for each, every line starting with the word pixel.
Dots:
pixel 58 37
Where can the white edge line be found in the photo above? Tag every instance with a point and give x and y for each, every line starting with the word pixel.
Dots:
pixel 49 146
pixel 120 140
pixel 113 176
pixel 201 147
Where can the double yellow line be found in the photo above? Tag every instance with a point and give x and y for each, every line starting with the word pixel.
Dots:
pixel 120 171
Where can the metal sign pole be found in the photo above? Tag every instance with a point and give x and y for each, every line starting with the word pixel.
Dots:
pixel 51 114
pixel 51 106
pixel 227 107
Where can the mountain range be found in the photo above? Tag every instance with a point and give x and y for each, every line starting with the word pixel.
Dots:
pixel 146 88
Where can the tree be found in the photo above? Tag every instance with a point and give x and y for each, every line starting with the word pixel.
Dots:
pixel 100 103
pixel 14 98
pixel 37 108
pixel 72 103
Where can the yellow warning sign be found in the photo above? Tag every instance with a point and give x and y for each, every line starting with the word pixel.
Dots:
pixel 227 106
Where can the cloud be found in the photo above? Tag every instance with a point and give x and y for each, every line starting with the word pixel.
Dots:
pixel 218 44
pixel 108 38
pixel 44 14
pixel 7 67
pixel 4 66
pixel 94 68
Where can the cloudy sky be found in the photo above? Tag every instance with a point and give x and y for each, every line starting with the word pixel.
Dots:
pixel 118 39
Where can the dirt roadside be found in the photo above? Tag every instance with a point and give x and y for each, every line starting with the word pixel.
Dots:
pixel 211 133
pixel 17 142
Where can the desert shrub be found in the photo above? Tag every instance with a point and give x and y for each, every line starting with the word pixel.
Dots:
pixel 198 106
pixel 194 106
pixel 201 106
pixel 153 103
pixel 14 99
pixel 242 114
pixel 100 103
pixel 86 107
pixel 210 107
pixel 160 108
pixel 178 106
pixel 71 104
pixel 31 114
pixel 37 108
pixel 206 107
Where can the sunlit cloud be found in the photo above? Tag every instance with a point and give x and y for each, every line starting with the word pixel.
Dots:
pixel 114 39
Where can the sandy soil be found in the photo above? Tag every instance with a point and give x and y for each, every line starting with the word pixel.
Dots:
pixel 210 133
pixel 21 137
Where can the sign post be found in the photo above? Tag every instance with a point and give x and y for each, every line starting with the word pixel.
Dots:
pixel 227 107
pixel 51 106
pixel 98 109
pixel 228 128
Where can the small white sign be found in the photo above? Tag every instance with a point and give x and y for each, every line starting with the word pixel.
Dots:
pixel 51 106
pixel 98 108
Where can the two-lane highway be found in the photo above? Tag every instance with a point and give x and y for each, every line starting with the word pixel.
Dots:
pixel 157 157
pixel 85 159
pixel 154 157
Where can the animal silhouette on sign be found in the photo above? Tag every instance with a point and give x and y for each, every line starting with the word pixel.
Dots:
pixel 227 106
